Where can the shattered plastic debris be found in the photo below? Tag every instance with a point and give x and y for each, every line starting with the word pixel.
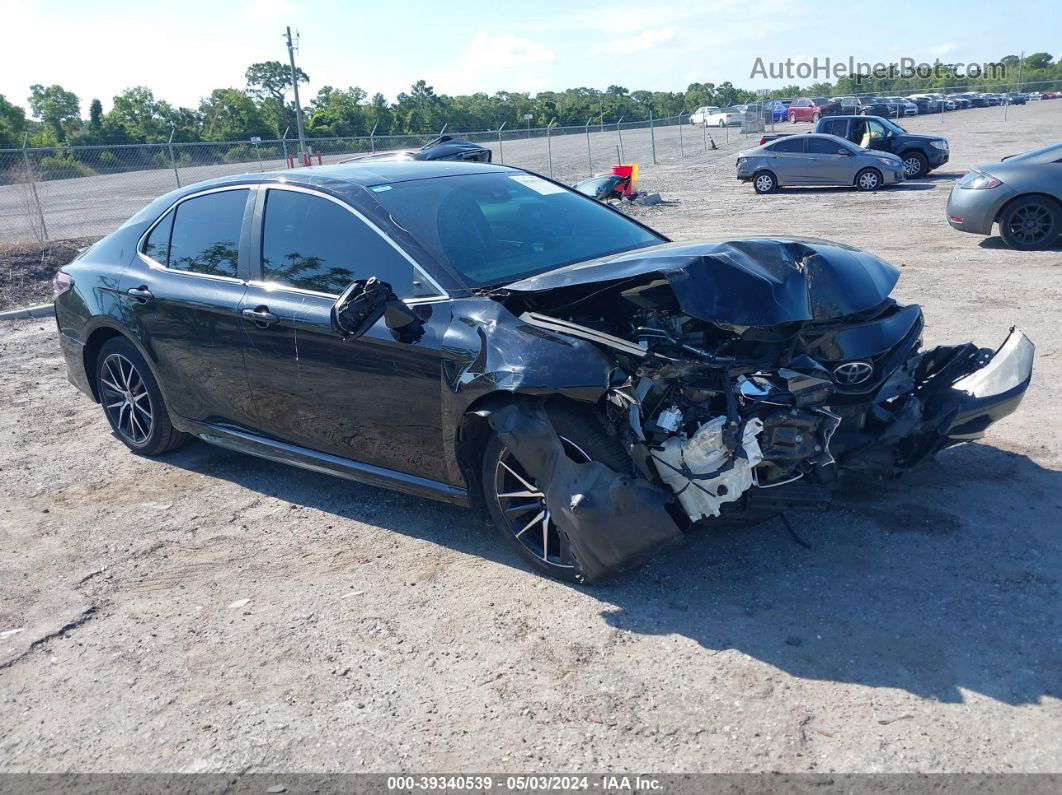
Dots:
pixel 703 472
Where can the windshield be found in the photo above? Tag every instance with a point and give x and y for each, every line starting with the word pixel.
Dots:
pixel 496 228
pixel 896 128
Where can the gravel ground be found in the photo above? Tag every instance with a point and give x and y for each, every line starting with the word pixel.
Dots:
pixel 211 612
pixel 26 269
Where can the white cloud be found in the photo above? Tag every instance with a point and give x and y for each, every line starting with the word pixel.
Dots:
pixel 271 10
pixel 490 55
pixel 940 50
pixel 648 39
pixel 530 83
pixel 84 57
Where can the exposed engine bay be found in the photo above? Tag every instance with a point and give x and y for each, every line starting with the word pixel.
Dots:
pixel 740 367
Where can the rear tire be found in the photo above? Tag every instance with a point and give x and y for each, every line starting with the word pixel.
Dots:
pixel 584 440
pixel 815 117
pixel 764 182
pixel 1030 223
pixel 869 179
pixel 792 118
pixel 132 401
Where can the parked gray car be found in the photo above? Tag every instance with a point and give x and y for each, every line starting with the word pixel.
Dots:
pixel 1022 193
pixel 817 159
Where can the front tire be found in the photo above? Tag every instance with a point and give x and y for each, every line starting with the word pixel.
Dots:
pixel 869 179
pixel 915 165
pixel 132 401
pixel 515 502
pixel 792 118
pixel 1030 223
pixel 764 182
pixel 815 117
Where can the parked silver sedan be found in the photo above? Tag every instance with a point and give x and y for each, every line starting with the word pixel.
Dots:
pixel 815 159
pixel 1022 193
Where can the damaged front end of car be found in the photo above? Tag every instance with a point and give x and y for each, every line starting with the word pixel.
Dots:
pixel 742 377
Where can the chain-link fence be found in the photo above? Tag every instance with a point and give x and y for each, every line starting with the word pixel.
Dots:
pixel 73 192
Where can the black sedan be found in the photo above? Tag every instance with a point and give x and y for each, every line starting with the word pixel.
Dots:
pixel 481 335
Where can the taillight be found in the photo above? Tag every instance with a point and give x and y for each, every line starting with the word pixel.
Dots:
pixel 763 141
pixel 61 282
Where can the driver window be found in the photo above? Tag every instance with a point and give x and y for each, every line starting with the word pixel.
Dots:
pixel 877 130
pixel 861 133
pixel 312 243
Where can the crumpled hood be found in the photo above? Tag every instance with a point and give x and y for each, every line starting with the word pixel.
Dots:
pixel 749 282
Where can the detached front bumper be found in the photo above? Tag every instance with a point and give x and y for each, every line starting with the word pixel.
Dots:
pixel 959 390
pixel 994 390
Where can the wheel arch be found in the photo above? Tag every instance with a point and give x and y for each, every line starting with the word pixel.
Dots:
pixel 473 430
pixel 95 341
pixel 1030 195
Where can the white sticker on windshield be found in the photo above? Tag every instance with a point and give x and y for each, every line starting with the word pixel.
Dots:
pixel 537 184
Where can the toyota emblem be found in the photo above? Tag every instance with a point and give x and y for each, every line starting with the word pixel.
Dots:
pixel 852 373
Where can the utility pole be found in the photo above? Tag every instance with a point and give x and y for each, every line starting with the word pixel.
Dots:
pixel 298 105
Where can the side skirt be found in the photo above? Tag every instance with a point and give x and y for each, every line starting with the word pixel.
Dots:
pixel 272 450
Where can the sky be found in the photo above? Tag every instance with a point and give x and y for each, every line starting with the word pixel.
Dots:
pixel 184 50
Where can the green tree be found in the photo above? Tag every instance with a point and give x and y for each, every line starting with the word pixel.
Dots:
pixel 95 115
pixel 59 111
pixel 271 79
pixel 143 117
pixel 335 112
pixel 269 83
pixel 228 114
pixel 12 124
pixel 1038 60
pixel 418 110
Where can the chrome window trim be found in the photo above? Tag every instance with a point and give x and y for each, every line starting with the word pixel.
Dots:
pixel 278 287
pixel 417 269
pixel 158 265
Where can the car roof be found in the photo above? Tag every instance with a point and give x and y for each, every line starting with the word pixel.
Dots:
pixel 356 174
pixel 376 172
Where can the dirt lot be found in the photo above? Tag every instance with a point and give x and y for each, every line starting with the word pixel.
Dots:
pixel 922 630
pixel 26 269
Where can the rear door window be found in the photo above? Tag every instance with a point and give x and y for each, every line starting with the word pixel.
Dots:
pixel 791 146
pixel 206 233
pixel 835 127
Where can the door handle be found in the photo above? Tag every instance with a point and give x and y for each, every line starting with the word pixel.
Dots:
pixel 141 294
pixel 261 316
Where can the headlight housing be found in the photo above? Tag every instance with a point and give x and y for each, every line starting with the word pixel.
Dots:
pixel 941 144
pixel 975 180
pixel 889 163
